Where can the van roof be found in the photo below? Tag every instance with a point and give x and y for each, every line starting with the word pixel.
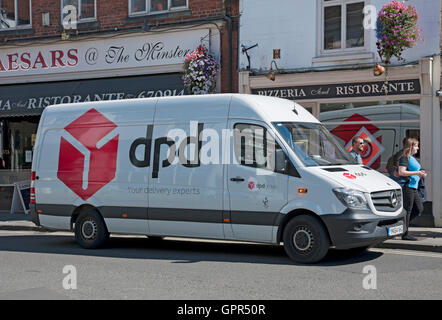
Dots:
pixel 268 108
pixel 238 106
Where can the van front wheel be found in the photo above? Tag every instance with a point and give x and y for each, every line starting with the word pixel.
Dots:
pixel 90 230
pixel 305 239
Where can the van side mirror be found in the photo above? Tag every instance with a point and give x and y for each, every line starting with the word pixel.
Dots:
pixel 280 161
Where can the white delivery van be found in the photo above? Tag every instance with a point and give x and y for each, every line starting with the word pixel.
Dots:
pixel 228 166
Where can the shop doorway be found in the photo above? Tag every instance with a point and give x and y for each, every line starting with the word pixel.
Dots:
pixel 17 139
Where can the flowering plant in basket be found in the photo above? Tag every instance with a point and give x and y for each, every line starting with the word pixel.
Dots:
pixel 200 71
pixel 396 30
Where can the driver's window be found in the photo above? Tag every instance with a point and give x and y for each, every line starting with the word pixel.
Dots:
pixel 254 146
pixel 326 149
pixel 250 145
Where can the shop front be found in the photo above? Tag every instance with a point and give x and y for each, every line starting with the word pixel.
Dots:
pixel 34 76
pixel 22 104
pixel 383 111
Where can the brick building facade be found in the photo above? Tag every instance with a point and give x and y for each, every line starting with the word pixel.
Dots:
pixel 114 17
pixel 115 49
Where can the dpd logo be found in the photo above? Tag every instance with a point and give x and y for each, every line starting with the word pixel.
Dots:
pixel 87 171
pixel 349 175
pixel 252 184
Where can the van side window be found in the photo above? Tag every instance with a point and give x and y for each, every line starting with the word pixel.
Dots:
pixel 250 145
pixel 256 148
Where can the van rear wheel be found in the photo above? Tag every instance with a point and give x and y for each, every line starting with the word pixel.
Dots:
pixel 305 239
pixel 90 229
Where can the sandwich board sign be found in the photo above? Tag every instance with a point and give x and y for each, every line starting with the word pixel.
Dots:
pixel 21 198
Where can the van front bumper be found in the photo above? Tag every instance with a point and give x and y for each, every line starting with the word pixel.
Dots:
pixel 360 228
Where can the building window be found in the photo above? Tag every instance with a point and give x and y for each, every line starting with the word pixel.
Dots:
pixel 342 25
pixel 15 14
pixel 155 6
pixel 86 9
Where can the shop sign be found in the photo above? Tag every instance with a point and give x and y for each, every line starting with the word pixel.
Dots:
pixel 31 99
pixel 100 54
pixel 343 90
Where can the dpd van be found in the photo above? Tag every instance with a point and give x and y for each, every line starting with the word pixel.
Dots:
pixel 237 167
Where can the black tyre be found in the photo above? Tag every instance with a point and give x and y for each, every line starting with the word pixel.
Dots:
pixel 90 229
pixel 305 239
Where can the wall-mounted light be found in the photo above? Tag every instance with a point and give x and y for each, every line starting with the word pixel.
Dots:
pixel 244 51
pixel 64 35
pixel 378 70
pixel 272 74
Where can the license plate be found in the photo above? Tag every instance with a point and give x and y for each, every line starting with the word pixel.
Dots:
pixel 394 231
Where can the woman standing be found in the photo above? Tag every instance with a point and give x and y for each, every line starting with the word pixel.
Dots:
pixel 410 167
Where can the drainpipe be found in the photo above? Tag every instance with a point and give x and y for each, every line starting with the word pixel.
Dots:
pixel 230 46
pixel 430 125
pixel 436 143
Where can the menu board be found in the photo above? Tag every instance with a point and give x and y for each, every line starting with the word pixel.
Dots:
pixel 24 192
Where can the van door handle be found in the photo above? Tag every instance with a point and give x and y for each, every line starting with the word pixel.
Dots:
pixel 237 179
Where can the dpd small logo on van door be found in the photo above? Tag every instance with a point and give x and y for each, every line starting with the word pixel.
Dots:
pixel 88 166
pixel 252 184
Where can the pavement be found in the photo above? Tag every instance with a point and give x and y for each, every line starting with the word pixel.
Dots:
pixel 429 239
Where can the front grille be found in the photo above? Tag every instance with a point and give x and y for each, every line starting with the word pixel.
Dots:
pixel 384 200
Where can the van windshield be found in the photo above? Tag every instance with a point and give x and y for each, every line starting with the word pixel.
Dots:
pixel 313 144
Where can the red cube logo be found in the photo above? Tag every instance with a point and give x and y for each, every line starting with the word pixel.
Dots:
pixel 85 172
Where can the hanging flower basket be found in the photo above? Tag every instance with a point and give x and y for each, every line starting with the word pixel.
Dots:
pixel 200 71
pixel 396 30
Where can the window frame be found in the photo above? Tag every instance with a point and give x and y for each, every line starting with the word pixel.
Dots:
pixel 321 28
pixel 80 20
pixel 23 26
pixel 148 12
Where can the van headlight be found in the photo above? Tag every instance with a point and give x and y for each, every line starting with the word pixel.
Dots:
pixel 351 198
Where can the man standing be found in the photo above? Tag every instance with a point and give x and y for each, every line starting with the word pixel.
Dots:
pixel 357 146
